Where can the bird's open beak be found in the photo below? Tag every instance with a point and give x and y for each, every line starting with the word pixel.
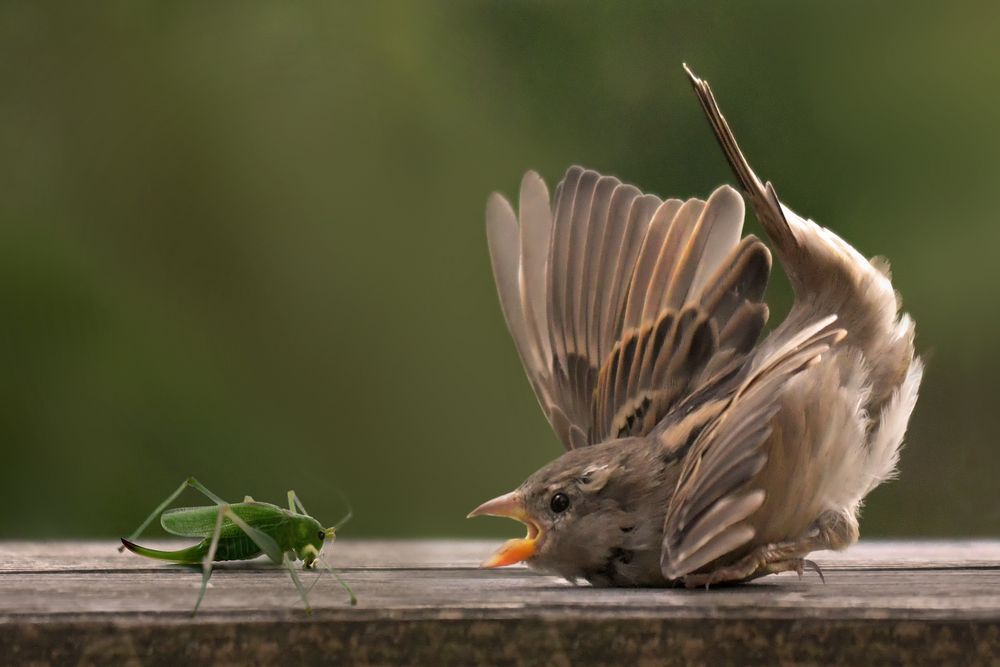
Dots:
pixel 510 505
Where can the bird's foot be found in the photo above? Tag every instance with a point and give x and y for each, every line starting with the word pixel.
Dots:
pixel 797 565
pixel 741 570
pixel 767 559
pixel 832 530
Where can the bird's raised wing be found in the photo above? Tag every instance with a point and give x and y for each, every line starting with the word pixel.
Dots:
pixel 620 303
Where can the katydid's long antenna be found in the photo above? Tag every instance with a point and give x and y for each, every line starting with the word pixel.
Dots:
pixel 350 511
pixel 350 592
pixel 329 570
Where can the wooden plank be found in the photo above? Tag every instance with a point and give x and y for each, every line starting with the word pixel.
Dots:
pixel 426 602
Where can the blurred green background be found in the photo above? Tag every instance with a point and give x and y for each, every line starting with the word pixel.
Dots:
pixel 245 241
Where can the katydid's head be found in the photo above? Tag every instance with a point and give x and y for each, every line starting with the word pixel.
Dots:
pixel 311 551
pixel 310 536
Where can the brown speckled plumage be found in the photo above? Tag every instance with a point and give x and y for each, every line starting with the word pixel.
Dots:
pixel 696 454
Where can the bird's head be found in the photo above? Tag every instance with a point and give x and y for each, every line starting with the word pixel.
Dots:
pixel 572 508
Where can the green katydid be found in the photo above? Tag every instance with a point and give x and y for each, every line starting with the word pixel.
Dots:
pixel 240 531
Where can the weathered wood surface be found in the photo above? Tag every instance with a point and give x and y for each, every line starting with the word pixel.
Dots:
pixel 426 602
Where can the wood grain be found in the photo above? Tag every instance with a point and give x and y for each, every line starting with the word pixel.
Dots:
pixel 427 602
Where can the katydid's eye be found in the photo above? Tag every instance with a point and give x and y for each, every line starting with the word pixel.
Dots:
pixel 559 503
pixel 321 535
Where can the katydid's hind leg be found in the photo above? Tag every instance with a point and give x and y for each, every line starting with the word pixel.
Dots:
pixel 206 563
pixel 259 537
pixel 198 486
pixel 834 529
pixel 189 482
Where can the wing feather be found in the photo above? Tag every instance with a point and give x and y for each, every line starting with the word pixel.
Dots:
pixel 586 264
pixel 503 237
pixel 535 236
pixel 720 520
pixel 559 256
pixel 617 301
pixel 719 232
pixel 677 270
pixel 637 225
pixel 704 517
pixel 642 287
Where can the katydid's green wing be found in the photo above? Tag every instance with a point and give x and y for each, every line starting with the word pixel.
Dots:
pixel 200 521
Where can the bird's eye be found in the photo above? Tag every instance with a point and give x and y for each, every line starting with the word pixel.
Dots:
pixel 321 534
pixel 559 503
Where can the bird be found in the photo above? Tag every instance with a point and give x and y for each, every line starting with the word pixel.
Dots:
pixel 699 449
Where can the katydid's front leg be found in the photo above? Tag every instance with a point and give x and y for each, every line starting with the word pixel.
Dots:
pixel 298 583
pixel 294 504
pixel 273 551
pixel 190 481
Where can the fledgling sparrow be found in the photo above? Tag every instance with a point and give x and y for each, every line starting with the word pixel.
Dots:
pixel 695 454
